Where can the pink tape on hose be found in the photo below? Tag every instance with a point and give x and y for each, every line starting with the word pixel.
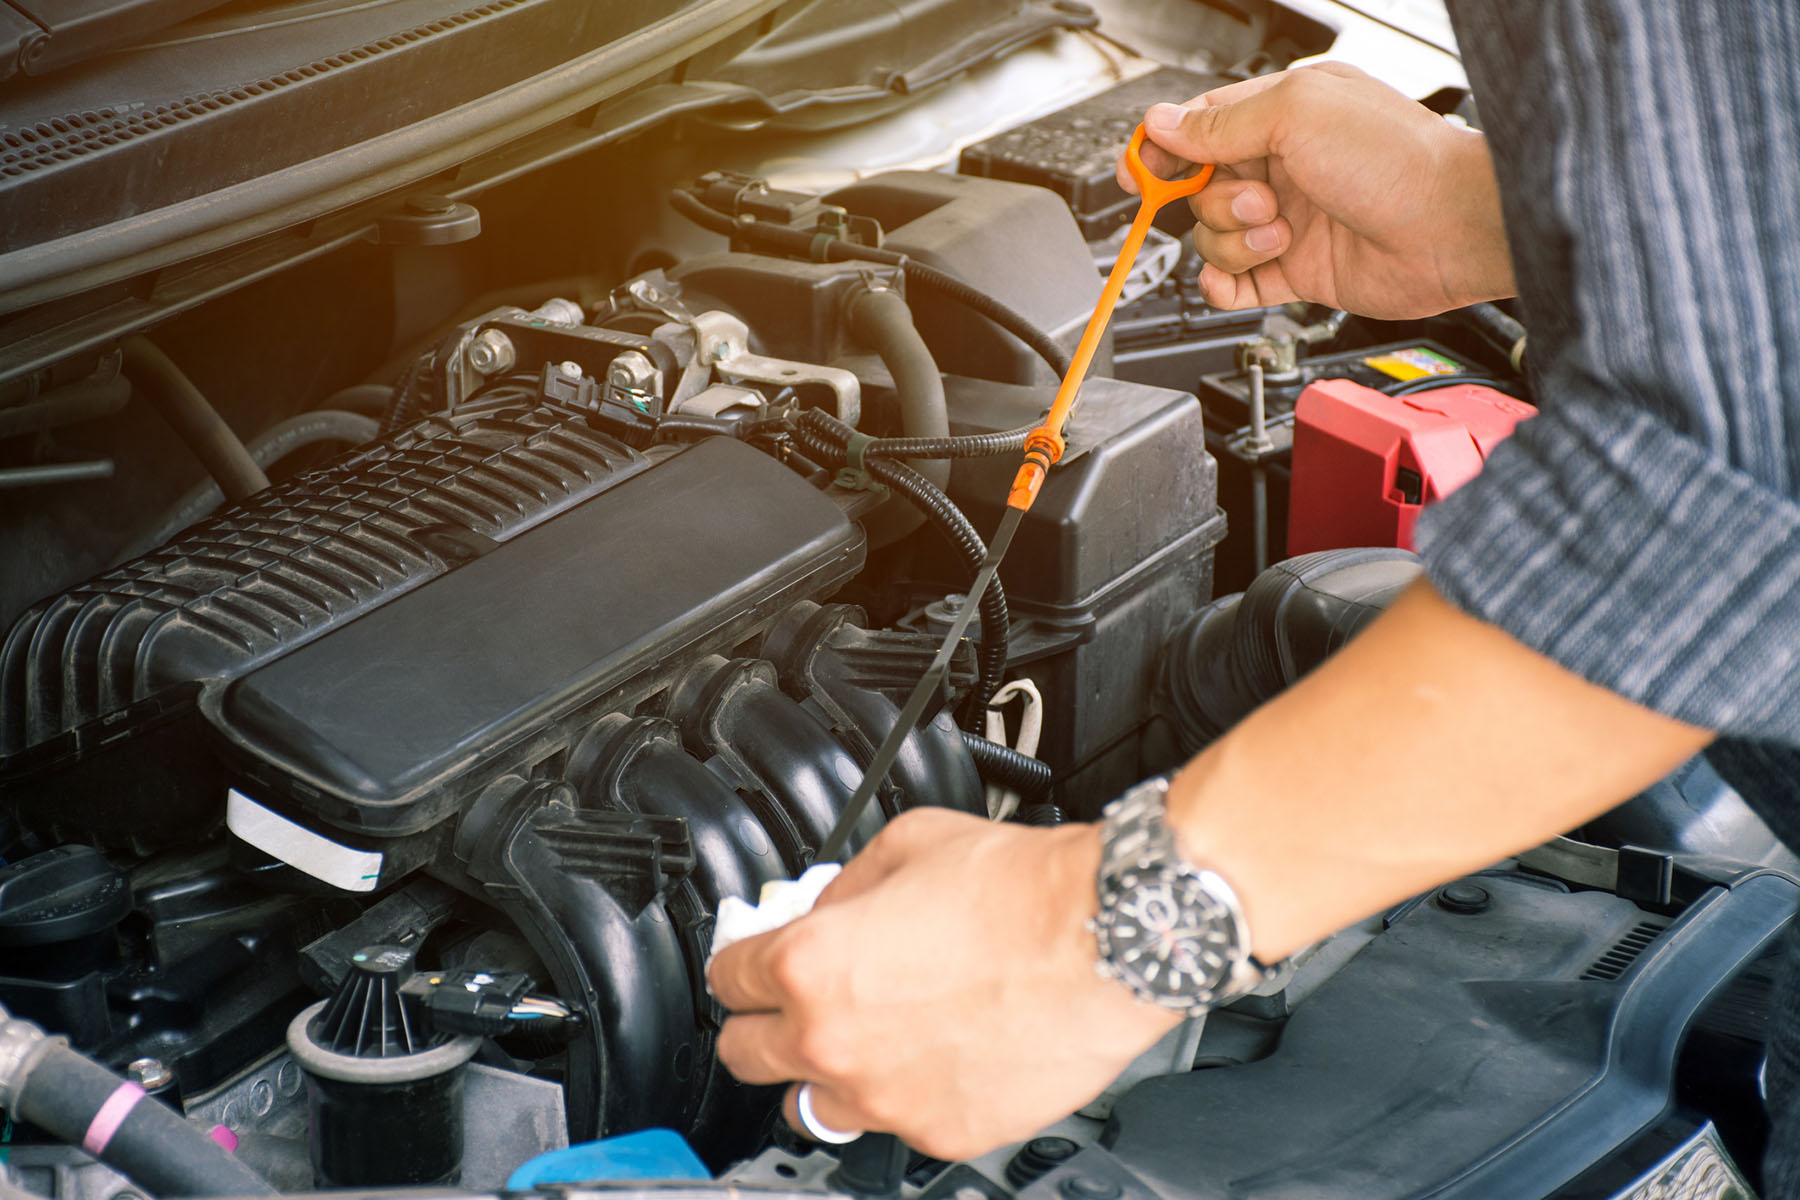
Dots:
pixel 224 1137
pixel 112 1114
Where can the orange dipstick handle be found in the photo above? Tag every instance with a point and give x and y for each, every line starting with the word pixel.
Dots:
pixel 1044 446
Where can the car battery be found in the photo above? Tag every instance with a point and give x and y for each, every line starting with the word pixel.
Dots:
pixel 1225 396
pixel 1365 463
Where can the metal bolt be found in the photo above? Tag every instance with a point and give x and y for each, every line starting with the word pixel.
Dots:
pixel 570 369
pixel 1089 1187
pixel 560 312
pixel 150 1073
pixel 721 351
pixel 631 372
pixel 287 1078
pixel 490 353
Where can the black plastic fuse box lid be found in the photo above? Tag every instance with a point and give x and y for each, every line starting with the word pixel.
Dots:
pixel 1073 151
pixel 387 724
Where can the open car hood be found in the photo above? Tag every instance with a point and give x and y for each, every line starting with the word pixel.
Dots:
pixel 262 118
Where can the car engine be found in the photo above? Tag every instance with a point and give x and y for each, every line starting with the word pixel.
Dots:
pixel 377 818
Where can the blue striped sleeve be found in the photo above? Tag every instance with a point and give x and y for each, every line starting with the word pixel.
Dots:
pixel 1644 530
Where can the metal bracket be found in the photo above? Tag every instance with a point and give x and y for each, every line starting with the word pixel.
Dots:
pixel 22 1043
pixel 719 341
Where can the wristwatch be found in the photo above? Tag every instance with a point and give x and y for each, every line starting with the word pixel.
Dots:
pixel 1172 932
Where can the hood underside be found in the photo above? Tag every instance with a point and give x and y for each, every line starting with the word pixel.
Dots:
pixel 260 118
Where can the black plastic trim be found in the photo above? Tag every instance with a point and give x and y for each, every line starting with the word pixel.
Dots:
pixel 1665 989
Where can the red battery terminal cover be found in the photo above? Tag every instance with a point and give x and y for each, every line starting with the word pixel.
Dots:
pixel 1365 463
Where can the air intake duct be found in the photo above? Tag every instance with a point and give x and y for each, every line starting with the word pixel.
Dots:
pixel 1243 649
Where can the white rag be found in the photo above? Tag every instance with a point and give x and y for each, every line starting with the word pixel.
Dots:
pixel 781 901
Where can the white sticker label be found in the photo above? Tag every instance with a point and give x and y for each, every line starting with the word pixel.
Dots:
pixel 300 847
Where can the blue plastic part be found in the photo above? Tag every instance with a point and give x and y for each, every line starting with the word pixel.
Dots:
pixel 646 1154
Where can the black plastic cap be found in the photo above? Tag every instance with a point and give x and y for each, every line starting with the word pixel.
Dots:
pixel 60 895
pixel 1038 1158
pixel 369 1017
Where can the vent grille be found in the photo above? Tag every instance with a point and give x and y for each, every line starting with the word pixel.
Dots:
pixel 73 135
pixel 1616 961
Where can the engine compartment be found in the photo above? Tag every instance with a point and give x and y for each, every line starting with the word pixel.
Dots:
pixel 587 596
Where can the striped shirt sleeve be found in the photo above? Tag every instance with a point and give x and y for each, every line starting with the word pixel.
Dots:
pixel 1644 530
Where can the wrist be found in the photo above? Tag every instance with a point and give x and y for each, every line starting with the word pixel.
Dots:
pixel 1077 872
pixel 1207 804
pixel 1476 262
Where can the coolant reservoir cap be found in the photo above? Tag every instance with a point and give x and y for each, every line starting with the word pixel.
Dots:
pixel 60 895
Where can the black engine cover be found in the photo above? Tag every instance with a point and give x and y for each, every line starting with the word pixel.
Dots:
pixel 388 725
pixel 98 737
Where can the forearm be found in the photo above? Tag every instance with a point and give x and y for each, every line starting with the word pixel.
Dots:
pixel 1430 746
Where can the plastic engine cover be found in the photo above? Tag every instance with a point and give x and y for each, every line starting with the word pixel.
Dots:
pixel 387 725
pixel 97 685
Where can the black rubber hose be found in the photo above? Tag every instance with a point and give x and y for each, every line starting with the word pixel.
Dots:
pixel 309 429
pixel 408 402
pixel 973 445
pixel 369 399
pixel 160 1150
pixel 266 448
pixel 197 423
pixel 799 243
pixel 825 435
pixel 1008 768
pixel 1241 650
pixel 678 425
pixel 881 320
pixel 1042 815
pixel 81 401
pixel 1495 327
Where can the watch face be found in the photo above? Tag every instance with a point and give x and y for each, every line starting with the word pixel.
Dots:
pixel 1168 935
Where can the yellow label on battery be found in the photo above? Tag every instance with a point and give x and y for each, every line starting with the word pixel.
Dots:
pixel 1413 362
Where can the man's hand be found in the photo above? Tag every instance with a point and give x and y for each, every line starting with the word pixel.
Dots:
pixel 1332 187
pixel 943 989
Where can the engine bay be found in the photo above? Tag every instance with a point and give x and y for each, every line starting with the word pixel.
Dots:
pixel 379 816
